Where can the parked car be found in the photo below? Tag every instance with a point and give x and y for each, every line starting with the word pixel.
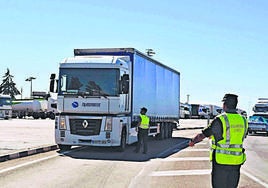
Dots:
pixel 257 124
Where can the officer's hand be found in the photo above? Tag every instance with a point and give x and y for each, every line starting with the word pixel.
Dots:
pixel 191 143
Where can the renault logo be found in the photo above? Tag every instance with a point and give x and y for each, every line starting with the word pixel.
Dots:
pixel 85 124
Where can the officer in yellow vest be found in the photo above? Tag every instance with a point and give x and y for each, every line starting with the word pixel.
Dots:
pixel 143 127
pixel 227 131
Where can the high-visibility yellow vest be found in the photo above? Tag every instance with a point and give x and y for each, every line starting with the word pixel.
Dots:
pixel 144 121
pixel 229 150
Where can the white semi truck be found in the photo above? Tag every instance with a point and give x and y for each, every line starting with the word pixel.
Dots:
pixel 5 107
pixel 261 107
pixel 100 93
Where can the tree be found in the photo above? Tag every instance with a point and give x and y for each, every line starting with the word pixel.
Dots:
pixel 8 87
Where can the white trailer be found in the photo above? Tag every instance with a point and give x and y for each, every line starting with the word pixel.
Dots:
pixel 101 91
pixel 29 107
pixel 5 107
pixel 214 110
pixel 199 111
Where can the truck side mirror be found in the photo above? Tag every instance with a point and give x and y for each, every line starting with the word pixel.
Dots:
pixel 52 82
pixel 125 84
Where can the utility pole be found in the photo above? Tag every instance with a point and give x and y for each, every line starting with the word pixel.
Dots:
pixel 188 98
pixel 21 90
pixel 30 79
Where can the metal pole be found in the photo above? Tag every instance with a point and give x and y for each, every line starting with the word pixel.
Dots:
pixel 30 79
pixel 31 94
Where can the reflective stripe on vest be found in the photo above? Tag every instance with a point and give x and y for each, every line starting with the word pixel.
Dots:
pixel 144 122
pixel 229 152
pixel 230 149
pixel 228 145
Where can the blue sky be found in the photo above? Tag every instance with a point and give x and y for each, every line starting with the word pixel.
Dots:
pixel 217 46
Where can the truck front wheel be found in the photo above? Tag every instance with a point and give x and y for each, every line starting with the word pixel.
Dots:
pixel 64 147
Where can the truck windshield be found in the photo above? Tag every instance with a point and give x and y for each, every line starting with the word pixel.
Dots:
pixel 261 109
pixel 89 82
pixel 5 101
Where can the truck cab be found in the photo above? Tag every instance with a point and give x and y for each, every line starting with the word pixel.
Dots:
pixel 93 95
pixel 5 107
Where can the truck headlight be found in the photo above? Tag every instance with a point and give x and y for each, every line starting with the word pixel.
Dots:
pixel 108 124
pixel 62 123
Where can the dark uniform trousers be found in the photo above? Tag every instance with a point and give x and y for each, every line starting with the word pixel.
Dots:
pixel 225 176
pixel 142 139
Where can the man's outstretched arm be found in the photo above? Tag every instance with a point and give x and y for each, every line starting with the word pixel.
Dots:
pixel 198 138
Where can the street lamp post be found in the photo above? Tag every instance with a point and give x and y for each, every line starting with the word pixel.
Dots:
pixel 150 52
pixel 30 79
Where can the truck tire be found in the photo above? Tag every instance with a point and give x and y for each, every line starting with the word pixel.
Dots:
pixel 162 131
pixel 36 115
pixel 64 147
pixel 52 116
pixel 20 116
pixel 170 130
pixel 42 115
pixel 123 141
pixel 166 130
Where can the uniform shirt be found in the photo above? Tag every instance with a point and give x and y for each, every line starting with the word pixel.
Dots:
pixel 215 128
pixel 139 119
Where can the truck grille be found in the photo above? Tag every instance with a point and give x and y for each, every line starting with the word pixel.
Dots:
pixel 85 127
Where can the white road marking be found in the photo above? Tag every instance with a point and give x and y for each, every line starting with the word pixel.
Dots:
pixel 254 178
pixel 186 159
pixel 202 143
pixel 35 161
pixel 194 149
pixel 181 172
pixel 196 172
pixel 27 163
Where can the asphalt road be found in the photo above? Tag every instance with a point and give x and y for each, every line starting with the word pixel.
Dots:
pixel 169 163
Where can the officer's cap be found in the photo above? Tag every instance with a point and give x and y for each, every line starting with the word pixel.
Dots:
pixel 230 98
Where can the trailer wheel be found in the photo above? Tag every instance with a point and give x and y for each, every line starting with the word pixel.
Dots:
pixel 170 130
pixel 52 116
pixel 64 147
pixel 36 115
pixel 43 115
pixel 166 130
pixel 123 141
pixel 162 131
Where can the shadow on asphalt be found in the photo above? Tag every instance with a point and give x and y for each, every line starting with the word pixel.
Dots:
pixel 156 149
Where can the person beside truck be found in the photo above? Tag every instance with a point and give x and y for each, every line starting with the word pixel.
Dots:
pixel 142 128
